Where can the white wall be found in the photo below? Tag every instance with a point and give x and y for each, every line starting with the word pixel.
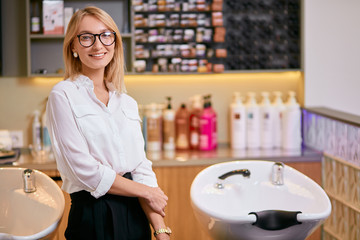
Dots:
pixel 332 54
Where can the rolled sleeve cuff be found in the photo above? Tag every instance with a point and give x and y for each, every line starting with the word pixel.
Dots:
pixel 105 183
pixel 146 180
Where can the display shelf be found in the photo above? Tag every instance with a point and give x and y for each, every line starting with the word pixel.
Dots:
pixel 44 52
pixel 258 35
pixel 187 27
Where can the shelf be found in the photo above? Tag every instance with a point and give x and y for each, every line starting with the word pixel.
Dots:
pixel 62 36
pixel 175 27
pixel 175 12
pixel 47 75
pixel 172 43
pixel 244 29
pixel 45 36
pixel 40 45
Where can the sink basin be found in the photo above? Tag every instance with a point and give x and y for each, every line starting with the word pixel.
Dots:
pixel 229 212
pixel 33 215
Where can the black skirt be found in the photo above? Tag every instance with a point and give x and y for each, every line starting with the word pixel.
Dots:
pixel 109 217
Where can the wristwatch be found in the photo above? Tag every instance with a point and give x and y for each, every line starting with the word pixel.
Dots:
pixel 166 230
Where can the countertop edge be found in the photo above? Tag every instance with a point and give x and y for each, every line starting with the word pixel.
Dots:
pixel 348 118
pixel 193 158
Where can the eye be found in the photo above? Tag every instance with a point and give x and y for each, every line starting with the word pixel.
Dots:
pixel 106 35
pixel 86 37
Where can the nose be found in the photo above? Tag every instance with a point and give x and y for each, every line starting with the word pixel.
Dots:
pixel 97 44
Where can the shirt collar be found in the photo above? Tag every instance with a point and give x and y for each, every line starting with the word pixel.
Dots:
pixel 84 81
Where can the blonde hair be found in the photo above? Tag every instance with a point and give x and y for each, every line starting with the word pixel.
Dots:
pixel 114 71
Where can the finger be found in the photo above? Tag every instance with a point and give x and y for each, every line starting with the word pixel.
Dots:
pixel 162 213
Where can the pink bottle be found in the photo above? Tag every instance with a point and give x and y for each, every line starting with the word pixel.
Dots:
pixel 214 124
pixel 207 126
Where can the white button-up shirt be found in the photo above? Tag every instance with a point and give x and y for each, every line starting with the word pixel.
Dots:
pixel 93 142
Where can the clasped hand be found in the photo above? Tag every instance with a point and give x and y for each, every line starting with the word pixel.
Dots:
pixel 157 200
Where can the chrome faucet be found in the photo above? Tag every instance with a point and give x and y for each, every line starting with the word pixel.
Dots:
pixel 29 181
pixel 277 177
pixel 244 172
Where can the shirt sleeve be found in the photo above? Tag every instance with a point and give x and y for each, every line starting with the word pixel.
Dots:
pixel 143 172
pixel 74 161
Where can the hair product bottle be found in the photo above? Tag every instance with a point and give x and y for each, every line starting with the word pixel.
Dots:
pixel 206 126
pixel 252 122
pixel 154 118
pixel 291 137
pixel 169 126
pixel 196 109
pixel 237 123
pixel 182 128
pixel 213 124
pixel 35 17
pixel 266 122
pixel 279 108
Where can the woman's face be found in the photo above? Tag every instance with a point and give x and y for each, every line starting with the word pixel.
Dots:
pixel 97 56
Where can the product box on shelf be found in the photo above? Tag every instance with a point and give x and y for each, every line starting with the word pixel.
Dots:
pixel 53 17
pixel 68 12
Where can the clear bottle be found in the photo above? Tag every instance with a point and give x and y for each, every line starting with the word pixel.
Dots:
pixel 291 137
pixel 36 132
pixel 194 131
pixel 237 123
pixel 279 108
pixel 169 126
pixel 266 122
pixel 182 128
pixel 46 143
pixel 252 122
pixel 154 121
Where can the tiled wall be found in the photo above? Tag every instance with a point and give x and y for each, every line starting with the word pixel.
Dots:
pixel 340 143
pixel 336 138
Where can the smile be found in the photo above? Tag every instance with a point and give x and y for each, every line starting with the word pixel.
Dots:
pixel 97 55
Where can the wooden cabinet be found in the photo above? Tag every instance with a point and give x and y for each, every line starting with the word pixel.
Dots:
pixel 176 182
pixel 44 51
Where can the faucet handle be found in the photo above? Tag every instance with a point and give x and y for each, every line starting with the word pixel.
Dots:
pixel 29 181
pixel 278 173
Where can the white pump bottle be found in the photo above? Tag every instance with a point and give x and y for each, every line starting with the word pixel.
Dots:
pixel 252 122
pixel 237 123
pixel 279 108
pixel 266 122
pixel 291 137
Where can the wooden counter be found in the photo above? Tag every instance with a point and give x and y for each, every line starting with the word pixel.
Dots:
pixel 175 172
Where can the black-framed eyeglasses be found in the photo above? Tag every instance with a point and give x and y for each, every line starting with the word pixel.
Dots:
pixel 88 39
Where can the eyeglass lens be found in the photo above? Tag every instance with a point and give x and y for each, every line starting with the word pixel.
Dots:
pixel 88 39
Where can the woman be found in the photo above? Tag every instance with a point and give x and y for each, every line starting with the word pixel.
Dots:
pixel 96 137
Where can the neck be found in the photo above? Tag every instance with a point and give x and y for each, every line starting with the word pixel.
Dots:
pixel 97 76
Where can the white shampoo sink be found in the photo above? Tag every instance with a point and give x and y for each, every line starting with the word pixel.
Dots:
pixel 254 208
pixel 34 215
